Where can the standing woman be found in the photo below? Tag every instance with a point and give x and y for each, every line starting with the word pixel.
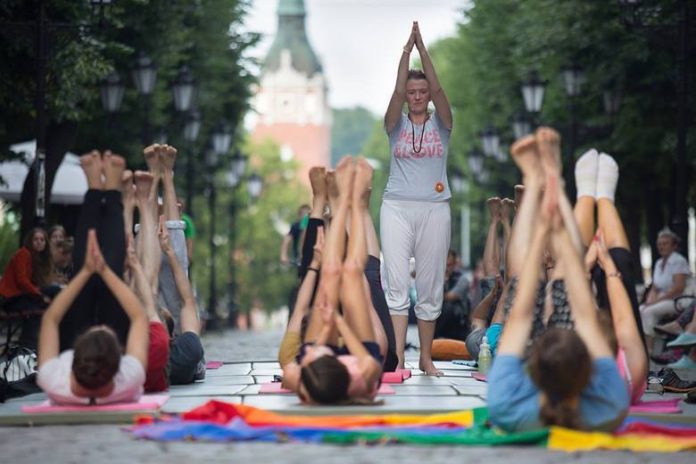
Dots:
pixel 415 215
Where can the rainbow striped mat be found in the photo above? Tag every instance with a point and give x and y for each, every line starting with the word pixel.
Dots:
pixel 218 421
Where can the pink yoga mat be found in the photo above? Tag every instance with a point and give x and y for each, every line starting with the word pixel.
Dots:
pixel 668 406
pixel 392 377
pixel 147 402
pixel 480 377
pixel 213 364
pixel 405 373
pixel 275 388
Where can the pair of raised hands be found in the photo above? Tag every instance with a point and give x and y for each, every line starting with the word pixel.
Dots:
pixel 598 253
pixel 414 39
pixel 163 236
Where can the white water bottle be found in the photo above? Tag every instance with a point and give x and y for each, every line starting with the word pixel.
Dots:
pixel 485 357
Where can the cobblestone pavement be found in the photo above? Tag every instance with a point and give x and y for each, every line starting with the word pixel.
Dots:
pixel 109 444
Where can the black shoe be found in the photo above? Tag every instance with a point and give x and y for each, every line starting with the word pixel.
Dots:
pixel 672 383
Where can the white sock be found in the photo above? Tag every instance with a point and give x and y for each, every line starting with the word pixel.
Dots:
pixel 586 174
pixel 607 177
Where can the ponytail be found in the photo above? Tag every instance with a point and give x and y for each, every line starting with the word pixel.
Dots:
pixel 560 413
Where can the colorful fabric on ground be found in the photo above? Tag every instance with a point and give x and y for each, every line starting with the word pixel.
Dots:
pixel 573 440
pixel 222 422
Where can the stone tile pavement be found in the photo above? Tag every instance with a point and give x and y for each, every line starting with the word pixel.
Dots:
pixel 250 361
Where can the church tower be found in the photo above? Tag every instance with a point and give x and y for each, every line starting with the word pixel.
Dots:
pixel 291 100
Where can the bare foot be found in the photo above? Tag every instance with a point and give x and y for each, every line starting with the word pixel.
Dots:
pixel 494 205
pixel 152 159
pixel 549 147
pixel 317 179
pixel 507 206
pixel 345 171
pixel 362 183
pixel 113 166
pixel 427 366
pixel 524 153
pixel 167 157
pixel 519 193
pixel 143 185
pixel 92 166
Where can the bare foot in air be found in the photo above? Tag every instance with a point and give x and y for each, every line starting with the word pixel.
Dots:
pixel 152 159
pixel 92 166
pixel 519 193
pixel 167 157
pixel 507 206
pixel 332 191
pixel 345 171
pixel 549 147
pixel 143 185
pixel 362 182
pixel 127 188
pixel 494 206
pixel 113 166
pixel 524 154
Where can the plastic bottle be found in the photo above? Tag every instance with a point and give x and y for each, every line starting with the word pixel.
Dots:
pixel 485 357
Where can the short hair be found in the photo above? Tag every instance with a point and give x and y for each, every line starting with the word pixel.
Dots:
pixel 667 232
pixel 415 74
pixel 96 357
pixel 326 380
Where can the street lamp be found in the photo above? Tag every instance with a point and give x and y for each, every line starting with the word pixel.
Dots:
pixel 182 89
pixel 191 131
pixel 254 186
pixel 490 140
pixel 533 89
pixel 112 90
pixel 238 165
pixel 612 101
pixel 144 76
pixel 222 138
pixel 475 162
pixel 573 78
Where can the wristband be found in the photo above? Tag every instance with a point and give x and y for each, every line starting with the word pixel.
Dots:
pixel 614 274
pixel 313 269
pixel 408 52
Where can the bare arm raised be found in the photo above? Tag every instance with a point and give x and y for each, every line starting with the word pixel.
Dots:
pixel 437 93
pixel 398 98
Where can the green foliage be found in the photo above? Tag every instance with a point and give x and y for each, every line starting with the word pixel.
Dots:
pixel 500 41
pixel 258 230
pixel 9 237
pixel 351 128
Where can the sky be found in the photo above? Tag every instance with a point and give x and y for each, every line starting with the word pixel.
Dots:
pixel 359 42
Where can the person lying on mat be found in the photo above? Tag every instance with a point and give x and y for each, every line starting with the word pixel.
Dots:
pixel 94 371
pixel 327 374
pixel 570 377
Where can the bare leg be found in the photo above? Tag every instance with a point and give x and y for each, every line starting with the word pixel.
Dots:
pixel 128 193
pixel 506 211
pixel 167 156
pixel 584 214
pixel 154 166
pixel 524 153
pixel 611 225
pixel 332 257
pixel 400 324
pixel 148 248
pixel 426 335
pixel 332 192
pixel 491 252
pixel 355 299
pixel 317 178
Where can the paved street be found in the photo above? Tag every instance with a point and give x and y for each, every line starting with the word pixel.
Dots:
pixel 254 357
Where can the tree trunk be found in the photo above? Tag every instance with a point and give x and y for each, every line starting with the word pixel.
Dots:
pixel 59 138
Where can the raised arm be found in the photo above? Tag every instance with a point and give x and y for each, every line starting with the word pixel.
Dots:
pixel 49 336
pixel 437 93
pixel 398 98
pixel 519 323
pixel 189 309
pixel 138 334
pixel 582 305
pixel 141 285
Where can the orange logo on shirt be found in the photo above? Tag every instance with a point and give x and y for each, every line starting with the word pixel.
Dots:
pixel 439 187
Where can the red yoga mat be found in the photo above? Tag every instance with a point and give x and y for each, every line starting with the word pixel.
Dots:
pixel 392 377
pixel 405 373
pixel 213 364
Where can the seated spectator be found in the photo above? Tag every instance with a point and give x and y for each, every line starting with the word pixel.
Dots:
pixel 453 322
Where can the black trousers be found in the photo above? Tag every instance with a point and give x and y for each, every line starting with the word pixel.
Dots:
pixel 95 305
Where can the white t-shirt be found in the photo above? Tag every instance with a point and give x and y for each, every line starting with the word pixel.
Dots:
pixel 54 380
pixel 662 279
pixel 418 175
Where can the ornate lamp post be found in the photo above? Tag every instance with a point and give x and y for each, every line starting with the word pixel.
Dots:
pixel 533 89
pixel 191 131
pixel 144 77
pixel 573 79
pixel 234 177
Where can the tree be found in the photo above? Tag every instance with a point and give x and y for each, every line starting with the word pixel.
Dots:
pixel 203 36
